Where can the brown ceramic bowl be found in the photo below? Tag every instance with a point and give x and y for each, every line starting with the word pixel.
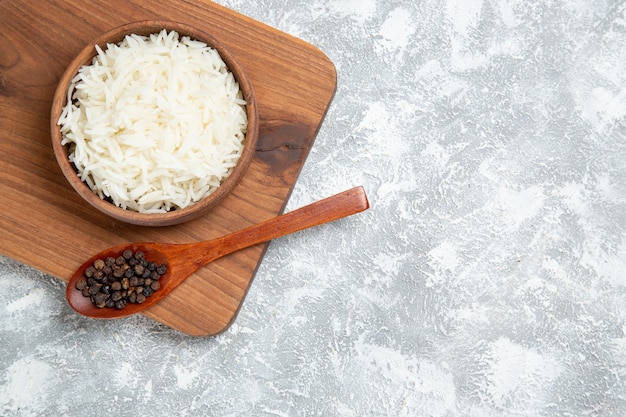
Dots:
pixel 178 215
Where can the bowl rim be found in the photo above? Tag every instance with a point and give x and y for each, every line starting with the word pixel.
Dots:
pixel 177 216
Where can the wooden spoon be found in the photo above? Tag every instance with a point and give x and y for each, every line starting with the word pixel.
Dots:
pixel 184 259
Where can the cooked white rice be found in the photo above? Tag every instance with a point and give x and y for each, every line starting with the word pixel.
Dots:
pixel 154 123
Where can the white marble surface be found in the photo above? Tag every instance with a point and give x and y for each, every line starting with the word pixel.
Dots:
pixel 487 279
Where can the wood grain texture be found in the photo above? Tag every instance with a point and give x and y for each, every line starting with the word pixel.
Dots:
pixel 46 225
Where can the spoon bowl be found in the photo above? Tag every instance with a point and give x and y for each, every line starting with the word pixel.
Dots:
pixel 183 259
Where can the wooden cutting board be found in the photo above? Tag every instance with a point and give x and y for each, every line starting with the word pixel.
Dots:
pixel 44 222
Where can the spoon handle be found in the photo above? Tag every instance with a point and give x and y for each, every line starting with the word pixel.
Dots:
pixel 332 208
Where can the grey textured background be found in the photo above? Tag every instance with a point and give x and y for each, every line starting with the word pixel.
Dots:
pixel 487 279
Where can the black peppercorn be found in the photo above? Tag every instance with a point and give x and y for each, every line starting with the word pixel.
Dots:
pixel 94 289
pixel 100 300
pixel 81 284
pixel 139 269
pixel 118 272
